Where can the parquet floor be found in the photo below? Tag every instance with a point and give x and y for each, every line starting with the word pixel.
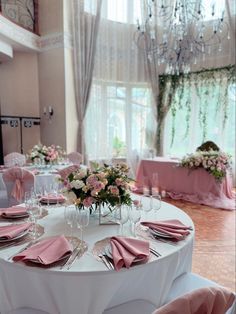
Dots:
pixel 214 249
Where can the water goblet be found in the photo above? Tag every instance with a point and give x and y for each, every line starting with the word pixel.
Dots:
pixel 82 218
pixel 70 217
pixel 124 217
pixel 134 216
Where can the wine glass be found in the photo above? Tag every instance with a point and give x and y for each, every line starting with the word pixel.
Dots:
pixel 157 202
pixel 30 207
pixel 70 217
pixel 82 219
pixel 134 216
pixel 124 217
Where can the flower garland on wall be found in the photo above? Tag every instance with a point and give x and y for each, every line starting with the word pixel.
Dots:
pixel 175 93
pixel 214 162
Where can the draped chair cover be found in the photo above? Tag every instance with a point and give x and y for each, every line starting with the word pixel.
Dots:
pixel 14 159
pixel 75 158
pixel 210 300
pixel 18 181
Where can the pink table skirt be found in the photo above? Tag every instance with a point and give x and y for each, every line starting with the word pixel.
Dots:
pixel 197 186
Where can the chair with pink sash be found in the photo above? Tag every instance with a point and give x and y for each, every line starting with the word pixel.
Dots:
pixel 14 159
pixel 18 181
pixel 189 294
pixel 75 157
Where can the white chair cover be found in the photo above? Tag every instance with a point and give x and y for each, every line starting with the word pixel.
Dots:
pixel 181 285
pixel 75 157
pixel 14 159
pixel 17 176
pixel 25 310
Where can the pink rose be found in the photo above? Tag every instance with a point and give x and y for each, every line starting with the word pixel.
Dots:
pixel 113 189
pixel 88 201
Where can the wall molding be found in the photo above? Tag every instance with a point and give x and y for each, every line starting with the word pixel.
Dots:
pixel 23 40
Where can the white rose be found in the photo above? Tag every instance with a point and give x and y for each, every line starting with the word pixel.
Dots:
pixel 77 184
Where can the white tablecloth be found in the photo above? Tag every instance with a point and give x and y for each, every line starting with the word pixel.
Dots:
pixel 88 287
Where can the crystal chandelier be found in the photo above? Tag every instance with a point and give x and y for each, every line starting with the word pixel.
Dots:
pixel 179 33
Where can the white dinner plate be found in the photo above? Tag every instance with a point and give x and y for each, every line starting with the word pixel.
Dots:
pixel 108 252
pixel 60 259
pixel 160 234
pixel 20 235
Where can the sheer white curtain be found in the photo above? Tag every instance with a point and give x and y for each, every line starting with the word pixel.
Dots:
pixel 120 123
pixel 85 30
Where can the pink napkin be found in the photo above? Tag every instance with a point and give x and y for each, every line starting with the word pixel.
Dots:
pixel 46 251
pixel 172 227
pixel 126 250
pixel 11 231
pixel 52 199
pixel 211 300
pixel 13 211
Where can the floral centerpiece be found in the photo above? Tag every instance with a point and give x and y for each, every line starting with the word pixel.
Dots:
pixel 108 185
pixel 214 162
pixel 47 155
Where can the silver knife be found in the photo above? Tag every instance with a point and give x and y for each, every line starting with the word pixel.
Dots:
pixel 104 261
pixel 70 258
pixel 74 259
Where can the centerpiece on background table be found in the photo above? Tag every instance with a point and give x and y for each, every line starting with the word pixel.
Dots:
pixel 102 190
pixel 214 162
pixel 46 155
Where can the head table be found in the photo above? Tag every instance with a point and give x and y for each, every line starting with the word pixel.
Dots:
pixel 197 186
pixel 88 287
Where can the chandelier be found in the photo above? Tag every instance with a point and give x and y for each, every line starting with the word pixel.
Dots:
pixel 180 33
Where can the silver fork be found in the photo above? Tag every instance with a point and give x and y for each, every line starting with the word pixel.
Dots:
pixel 105 262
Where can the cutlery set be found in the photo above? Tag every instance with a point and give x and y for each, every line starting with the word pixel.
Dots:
pixel 71 259
pixel 109 264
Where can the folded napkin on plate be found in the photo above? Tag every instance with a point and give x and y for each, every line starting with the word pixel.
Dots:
pixel 173 227
pixel 13 211
pixel 126 250
pixel 12 231
pixel 46 251
pixel 52 199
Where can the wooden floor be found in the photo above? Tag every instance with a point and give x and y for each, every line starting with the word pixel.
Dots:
pixel 214 249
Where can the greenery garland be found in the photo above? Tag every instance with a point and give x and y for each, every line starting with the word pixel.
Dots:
pixel 206 82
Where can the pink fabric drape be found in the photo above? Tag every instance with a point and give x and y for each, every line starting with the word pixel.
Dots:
pixel 19 177
pixel 212 300
pixel 197 186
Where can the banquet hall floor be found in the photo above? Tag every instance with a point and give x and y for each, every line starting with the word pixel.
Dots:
pixel 214 250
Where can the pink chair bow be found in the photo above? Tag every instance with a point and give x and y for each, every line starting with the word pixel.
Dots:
pixel 75 158
pixel 16 180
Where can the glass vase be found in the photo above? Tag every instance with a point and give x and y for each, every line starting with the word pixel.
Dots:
pixel 109 215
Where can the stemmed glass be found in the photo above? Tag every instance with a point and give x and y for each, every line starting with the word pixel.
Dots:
pixel 82 219
pixel 157 197
pixel 70 217
pixel 124 217
pixel 134 216
pixel 32 209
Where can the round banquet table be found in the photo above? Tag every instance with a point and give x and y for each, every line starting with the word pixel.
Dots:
pixel 88 287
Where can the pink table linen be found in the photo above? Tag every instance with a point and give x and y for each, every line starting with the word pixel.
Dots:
pixel 46 251
pixel 173 228
pixel 212 300
pixel 13 211
pixel 126 250
pixel 11 231
pixel 53 199
pixel 197 186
